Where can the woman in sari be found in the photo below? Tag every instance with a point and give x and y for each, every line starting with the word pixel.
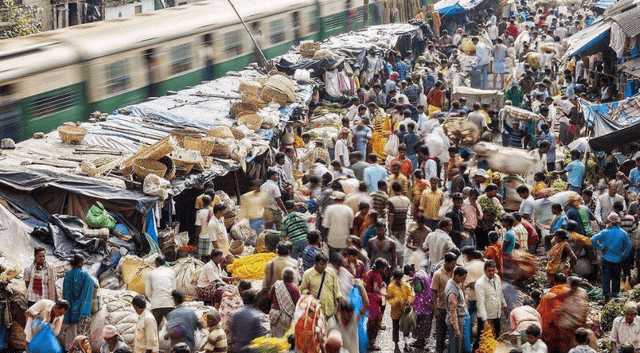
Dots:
pixel 549 308
pixel 77 289
pixel 227 299
pixel 284 295
pixel 376 289
pixel 560 258
pixel 422 304
pixel 80 344
pixel 494 251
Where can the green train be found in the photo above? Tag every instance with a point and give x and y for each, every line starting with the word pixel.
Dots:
pixel 53 77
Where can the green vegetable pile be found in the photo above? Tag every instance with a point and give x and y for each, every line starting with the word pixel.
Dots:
pixel 558 185
pixel 604 344
pixel 489 208
pixel 610 311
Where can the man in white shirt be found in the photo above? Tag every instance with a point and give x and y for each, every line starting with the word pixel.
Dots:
pixel 490 300
pixel 275 206
pixel 483 58
pixel 626 328
pixel 158 286
pixel 527 206
pixel 336 222
pixel 533 344
pixel 438 243
pixel 203 230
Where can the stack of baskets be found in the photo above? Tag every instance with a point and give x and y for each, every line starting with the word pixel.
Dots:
pixel 145 166
pixel 251 98
pixel 236 247
pixel 72 134
pixel 180 135
pixel 238 109
pixel 250 86
pixel 308 49
pixel 252 121
pixel 221 132
pixel 280 89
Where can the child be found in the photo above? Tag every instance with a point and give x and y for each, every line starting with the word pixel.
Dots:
pixel 360 219
pixel 399 295
pixel 582 337
pixel 534 344
pixel 540 184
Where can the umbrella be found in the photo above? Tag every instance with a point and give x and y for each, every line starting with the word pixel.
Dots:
pixel 581 144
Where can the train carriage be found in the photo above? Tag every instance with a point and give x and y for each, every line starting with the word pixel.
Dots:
pixel 52 77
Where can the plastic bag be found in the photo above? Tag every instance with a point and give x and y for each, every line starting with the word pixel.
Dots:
pixel 391 148
pixel 98 217
pixel 45 340
pixel 408 320
pixel 134 274
pixel 355 298
pixel 466 342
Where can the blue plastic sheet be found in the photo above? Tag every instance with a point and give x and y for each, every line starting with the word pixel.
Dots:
pixel 466 342
pixel 45 341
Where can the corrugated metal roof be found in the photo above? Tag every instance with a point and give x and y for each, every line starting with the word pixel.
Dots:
pixel 628 21
pixel 631 67
pixel 618 7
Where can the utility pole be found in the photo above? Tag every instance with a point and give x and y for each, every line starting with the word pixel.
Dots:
pixel 264 59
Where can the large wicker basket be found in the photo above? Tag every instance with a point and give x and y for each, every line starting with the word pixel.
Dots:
pixel 250 86
pixel 171 167
pixel 186 166
pixel 253 121
pixel 159 149
pixel 308 49
pixel 221 132
pixel 251 98
pixel 145 166
pixel 207 146
pixel 237 108
pixel 237 133
pixel 72 134
pixel 192 143
pixel 180 134
pixel 236 247
pixel 221 148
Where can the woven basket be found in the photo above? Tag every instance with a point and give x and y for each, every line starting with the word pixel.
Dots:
pixel 307 50
pixel 237 108
pixel 281 82
pixel 229 259
pixel 221 149
pixel 186 166
pixel 297 174
pixel 180 134
pixel 229 222
pixel 250 86
pixel 322 54
pixel 171 167
pixel 253 121
pixel 71 134
pixel 192 143
pixel 159 149
pixel 145 166
pixel 221 132
pixel 518 113
pixel 207 146
pixel 280 95
pixel 251 98
pixel 237 133
pixel 236 247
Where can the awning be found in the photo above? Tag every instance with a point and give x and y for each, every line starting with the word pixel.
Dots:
pixel 616 139
pixel 631 67
pixel 603 4
pixel 628 21
pixel 455 7
pixel 623 113
pixel 590 40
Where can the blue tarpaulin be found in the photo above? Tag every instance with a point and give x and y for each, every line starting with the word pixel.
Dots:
pixel 589 40
pixel 455 7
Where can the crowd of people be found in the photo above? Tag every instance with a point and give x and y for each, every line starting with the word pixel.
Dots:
pixel 425 234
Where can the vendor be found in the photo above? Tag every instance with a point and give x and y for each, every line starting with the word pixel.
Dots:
pixel 40 279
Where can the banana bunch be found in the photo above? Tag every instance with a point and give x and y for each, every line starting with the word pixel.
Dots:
pixel 488 343
pixel 270 345
pixel 250 266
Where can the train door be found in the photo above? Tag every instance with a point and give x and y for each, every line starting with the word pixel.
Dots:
pixel 9 114
pixel 296 27
pixel 153 72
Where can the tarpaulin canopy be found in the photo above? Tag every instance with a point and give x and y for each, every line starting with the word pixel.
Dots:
pixel 455 7
pixel 621 113
pixel 28 180
pixel 610 141
pixel 590 40
pixel 603 4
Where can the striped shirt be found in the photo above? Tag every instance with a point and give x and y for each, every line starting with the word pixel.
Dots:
pixel 380 200
pixel 399 207
pixel 294 227
pixel 309 256
pixel 217 340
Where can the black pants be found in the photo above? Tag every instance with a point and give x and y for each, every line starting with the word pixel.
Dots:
pixel 481 323
pixel 395 333
pixel 159 314
pixel 441 330
pixel 551 166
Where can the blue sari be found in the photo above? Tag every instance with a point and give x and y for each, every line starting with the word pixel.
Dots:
pixel 77 289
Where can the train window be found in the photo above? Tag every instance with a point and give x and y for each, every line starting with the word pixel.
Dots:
pixel 180 59
pixel 312 20
pixel 233 43
pixel 277 31
pixel 117 75
pixel 54 101
pixel 335 22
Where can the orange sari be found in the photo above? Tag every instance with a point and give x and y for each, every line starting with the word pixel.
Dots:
pixel 549 303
